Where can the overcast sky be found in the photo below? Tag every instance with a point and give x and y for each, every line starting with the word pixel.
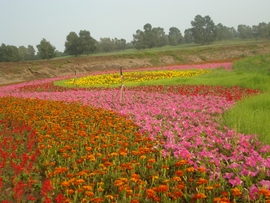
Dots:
pixel 27 22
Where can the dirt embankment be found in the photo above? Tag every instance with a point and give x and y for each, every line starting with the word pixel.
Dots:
pixel 33 70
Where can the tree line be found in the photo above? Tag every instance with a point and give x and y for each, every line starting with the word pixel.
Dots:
pixel 203 31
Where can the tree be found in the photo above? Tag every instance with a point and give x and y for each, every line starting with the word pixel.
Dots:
pixel 203 30
pixel 119 44
pixel 23 53
pixel 245 32
pixel 86 42
pixel 224 33
pixel 138 40
pixel 45 49
pixel 106 44
pixel 188 36
pixel 175 36
pixel 82 44
pixel 72 44
pixel 149 37
pixel 30 52
pixel 160 37
pixel 263 30
pixel 9 53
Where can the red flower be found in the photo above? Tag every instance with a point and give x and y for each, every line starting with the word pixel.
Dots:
pixel 60 198
pixel 46 188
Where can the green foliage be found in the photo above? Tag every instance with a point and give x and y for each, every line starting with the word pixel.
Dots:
pixel 203 30
pixel 175 36
pixel 9 53
pixel 251 116
pixel 225 33
pixel 150 37
pixel 27 54
pixel 82 44
pixel 46 50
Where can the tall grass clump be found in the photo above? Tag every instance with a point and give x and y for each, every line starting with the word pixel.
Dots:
pixel 252 115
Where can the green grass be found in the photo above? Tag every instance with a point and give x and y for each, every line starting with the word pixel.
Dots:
pixel 251 116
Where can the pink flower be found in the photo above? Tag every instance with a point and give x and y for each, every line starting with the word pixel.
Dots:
pixel 236 181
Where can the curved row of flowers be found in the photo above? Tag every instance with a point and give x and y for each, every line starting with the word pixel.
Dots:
pixel 177 147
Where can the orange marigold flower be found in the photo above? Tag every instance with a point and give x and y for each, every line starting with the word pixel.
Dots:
pixel 123 153
pixel 176 178
pixel 149 166
pixel 157 199
pixel 110 197
pixel 114 154
pixel 67 201
pixel 79 181
pixel 134 201
pixel 190 169
pixel 202 181
pixel 151 160
pixel 179 173
pixel 107 163
pixel 265 192
pixel 199 196
pixel 216 185
pixel 162 188
pixel 181 162
pixel 65 183
pixel 89 193
pixel 221 200
pixel 236 192
pixel 87 187
pixel 100 189
pixel 209 188
pixel 150 193
pixel 118 182
pixel 201 169
pixel 70 191
pixel 142 157
pixel 224 193
pixel 165 167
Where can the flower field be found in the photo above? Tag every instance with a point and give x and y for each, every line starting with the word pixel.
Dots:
pixel 148 144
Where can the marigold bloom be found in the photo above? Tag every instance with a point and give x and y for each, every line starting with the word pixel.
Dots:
pixel 118 183
pixel 181 162
pixel 79 181
pixel 110 197
pixel 201 169
pixel 87 187
pixel 150 193
pixel 165 167
pixel 114 154
pixel 70 191
pixel 202 181
pixel 199 196
pixel 65 183
pixel 142 157
pixel 89 193
pixel 236 192
pixel 221 200
pixel 190 169
pixel 162 188
pixel 179 173
pixel 151 160
pixel 209 188
pixel 265 192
